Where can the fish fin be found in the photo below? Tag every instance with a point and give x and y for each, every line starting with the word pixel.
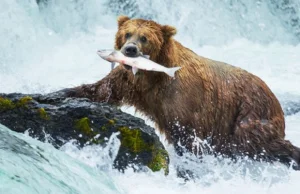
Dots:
pixel 113 64
pixel 171 71
pixel 134 70
pixel 146 56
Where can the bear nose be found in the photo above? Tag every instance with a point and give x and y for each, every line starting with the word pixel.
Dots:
pixel 131 51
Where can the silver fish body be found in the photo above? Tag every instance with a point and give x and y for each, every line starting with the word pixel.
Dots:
pixel 141 62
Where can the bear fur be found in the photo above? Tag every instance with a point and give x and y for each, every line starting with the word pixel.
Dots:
pixel 232 109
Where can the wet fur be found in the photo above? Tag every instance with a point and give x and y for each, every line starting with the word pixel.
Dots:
pixel 234 110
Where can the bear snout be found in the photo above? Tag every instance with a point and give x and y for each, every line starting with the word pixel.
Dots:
pixel 130 50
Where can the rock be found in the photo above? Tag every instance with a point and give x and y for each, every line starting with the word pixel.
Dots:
pixel 87 122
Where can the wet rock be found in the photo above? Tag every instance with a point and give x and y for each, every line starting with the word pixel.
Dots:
pixel 87 122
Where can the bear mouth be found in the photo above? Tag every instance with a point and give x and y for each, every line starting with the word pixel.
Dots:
pixel 127 67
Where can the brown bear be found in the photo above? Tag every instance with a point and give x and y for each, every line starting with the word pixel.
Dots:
pixel 230 108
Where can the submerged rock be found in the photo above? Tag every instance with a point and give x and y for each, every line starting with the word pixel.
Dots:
pixel 87 122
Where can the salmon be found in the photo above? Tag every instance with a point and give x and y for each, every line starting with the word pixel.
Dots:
pixel 141 62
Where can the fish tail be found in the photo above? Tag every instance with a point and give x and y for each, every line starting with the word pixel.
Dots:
pixel 171 71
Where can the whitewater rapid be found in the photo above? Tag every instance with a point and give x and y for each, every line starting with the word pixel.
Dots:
pixel 44 49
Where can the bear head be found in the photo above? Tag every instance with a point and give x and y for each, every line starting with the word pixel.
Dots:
pixel 136 36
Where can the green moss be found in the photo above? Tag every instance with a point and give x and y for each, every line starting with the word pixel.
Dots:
pixel 106 126
pixel 83 125
pixel 6 104
pixel 112 122
pixel 103 128
pixel 23 101
pixel 159 161
pixel 132 139
pixel 43 114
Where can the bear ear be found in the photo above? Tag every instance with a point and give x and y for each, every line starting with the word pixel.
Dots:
pixel 168 31
pixel 122 19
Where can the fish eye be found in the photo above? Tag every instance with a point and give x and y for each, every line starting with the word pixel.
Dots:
pixel 143 39
pixel 127 35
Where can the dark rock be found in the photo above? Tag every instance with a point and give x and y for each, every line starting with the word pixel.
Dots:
pixel 87 122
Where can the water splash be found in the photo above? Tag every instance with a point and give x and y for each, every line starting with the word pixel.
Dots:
pixel 95 155
pixel 29 166
pixel 221 21
pixel 49 47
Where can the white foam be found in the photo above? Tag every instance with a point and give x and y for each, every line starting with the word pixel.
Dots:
pixel 39 56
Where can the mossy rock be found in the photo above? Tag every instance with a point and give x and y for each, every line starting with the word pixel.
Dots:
pixel 22 102
pixel 83 125
pixel 160 161
pixel 132 139
pixel 8 104
pixel 43 114
pixel 87 122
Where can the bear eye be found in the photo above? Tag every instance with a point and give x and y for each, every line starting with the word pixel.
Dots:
pixel 143 39
pixel 127 35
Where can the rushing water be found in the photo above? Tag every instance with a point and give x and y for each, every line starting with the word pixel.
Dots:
pixel 52 46
pixel 29 166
